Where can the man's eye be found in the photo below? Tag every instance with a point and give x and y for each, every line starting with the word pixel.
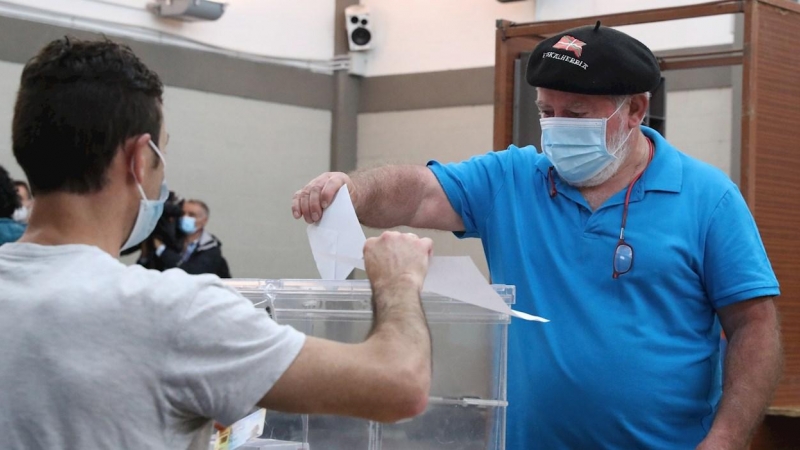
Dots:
pixel 545 114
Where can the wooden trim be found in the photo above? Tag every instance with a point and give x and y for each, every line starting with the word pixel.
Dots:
pixel 507 50
pixel 783 411
pixel 695 63
pixel 503 93
pixel 749 95
pixel 629 18
pixel 782 4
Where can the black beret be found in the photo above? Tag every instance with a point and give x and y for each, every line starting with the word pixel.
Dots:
pixel 593 60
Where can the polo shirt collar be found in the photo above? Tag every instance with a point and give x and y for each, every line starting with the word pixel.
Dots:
pixel 665 172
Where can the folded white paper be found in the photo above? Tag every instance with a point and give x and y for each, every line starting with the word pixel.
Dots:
pixel 457 277
pixel 337 242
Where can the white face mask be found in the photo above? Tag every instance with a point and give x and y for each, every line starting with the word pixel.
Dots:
pixel 21 215
pixel 577 147
pixel 149 210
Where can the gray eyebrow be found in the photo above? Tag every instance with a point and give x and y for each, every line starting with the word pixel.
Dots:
pixel 577 104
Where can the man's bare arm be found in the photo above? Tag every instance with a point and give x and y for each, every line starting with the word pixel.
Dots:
pixel 385 378
pixel 384 197
pixel 752 369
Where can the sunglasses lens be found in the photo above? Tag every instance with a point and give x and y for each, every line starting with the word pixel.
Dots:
pixel 623 258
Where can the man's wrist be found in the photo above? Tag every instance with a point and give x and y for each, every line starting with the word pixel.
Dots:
pixel 719 439
pixel 397 285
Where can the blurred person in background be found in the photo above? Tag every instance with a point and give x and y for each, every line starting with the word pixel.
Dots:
pixel 24 211
pixel 167 233
pixel 10 230
pixel 201 251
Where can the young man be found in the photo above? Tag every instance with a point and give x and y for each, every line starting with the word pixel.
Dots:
pixel 95 354
pixel 631 357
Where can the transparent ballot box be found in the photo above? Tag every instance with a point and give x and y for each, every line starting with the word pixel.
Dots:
pixel 467 404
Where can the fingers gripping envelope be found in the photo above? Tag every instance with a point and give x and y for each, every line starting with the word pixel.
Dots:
pixel 337 242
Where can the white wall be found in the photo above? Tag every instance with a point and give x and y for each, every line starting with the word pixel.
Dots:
pixel 9 83
pixel 244 158
pixel 676 34
pixel 413 36
pixel 300 29
pixel 699 124
pixel 433 35
pixel 415 137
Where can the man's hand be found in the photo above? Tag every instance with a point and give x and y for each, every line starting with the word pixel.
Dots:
pixel 384 197
pixel 397 260
pixel 310 201
pixel 388 376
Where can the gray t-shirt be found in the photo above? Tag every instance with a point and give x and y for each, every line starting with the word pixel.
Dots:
pixel 95 354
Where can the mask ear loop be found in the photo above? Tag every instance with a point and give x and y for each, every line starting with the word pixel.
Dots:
pixel 621 144
pixel 138 184
pixel 158 152
pixel 616 110
pixel 163 161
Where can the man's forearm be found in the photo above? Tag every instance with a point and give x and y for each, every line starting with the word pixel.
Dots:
pixel 752 369
pixel 397 310
pixel 388 196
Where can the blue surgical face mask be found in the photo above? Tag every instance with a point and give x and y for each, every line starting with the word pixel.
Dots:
pixel 188 224
pixel 149 210
pixel 577 147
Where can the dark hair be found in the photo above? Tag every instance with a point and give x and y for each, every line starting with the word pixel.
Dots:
pixel 201 204
pixel 78 102
pixel 9 200
pixel 20 183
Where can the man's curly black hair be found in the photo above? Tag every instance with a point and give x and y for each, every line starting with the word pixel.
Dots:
pixel 78 101
pixel 9 200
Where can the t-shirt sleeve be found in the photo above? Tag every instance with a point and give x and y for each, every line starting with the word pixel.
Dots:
pixel 225 355
pixel 471 187
pixel 736 267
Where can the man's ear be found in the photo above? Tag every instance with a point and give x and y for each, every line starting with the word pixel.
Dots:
pixel 136 151
pixel 639 105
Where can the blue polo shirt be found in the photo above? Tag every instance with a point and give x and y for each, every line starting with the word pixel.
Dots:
pixel 631 362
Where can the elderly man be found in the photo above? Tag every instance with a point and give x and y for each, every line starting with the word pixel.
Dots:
pixel 636 251
pixel 96 354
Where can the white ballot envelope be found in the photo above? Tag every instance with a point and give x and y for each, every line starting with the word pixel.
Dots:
pixel 337 242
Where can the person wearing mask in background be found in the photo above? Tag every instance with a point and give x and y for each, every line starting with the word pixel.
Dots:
pixel 631 358
pixel 202 251
pixel 10 229
pixel 95 354
pixel 24 211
